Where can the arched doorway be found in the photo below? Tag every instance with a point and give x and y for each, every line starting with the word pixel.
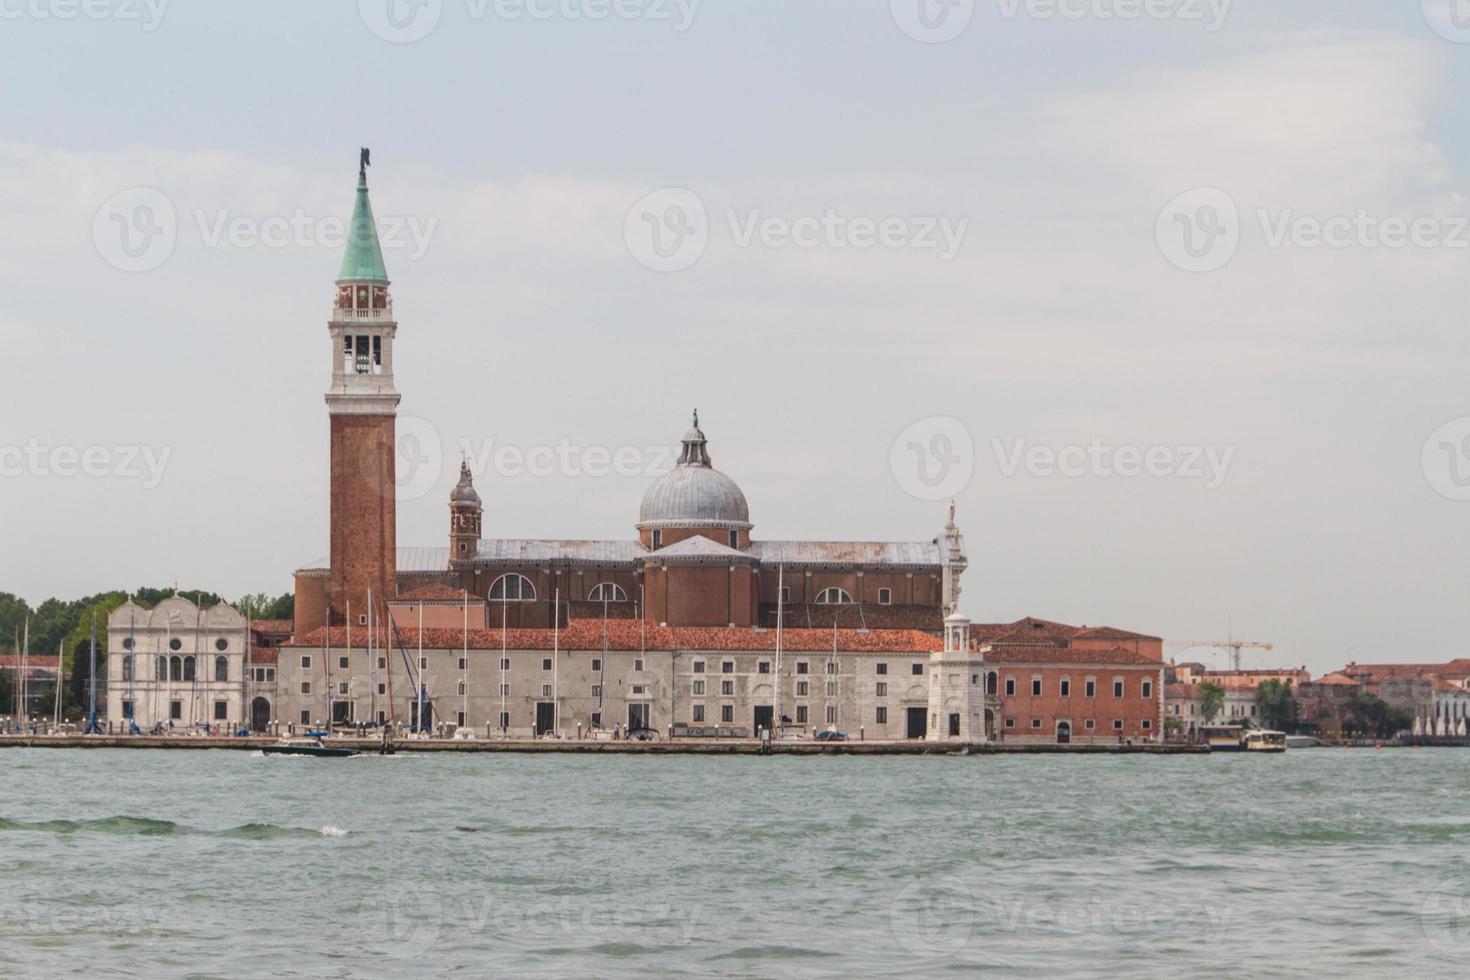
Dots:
pixel 1064 732
pixel 260 714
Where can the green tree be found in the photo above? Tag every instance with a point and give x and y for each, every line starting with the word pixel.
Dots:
pixel 1211 700
pixel 13 613
pixel 261 606
pixel 1278 706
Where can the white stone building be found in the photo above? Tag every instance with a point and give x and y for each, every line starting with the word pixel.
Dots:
pixel 176 666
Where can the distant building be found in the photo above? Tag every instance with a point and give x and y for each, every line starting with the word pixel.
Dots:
pixel 176 665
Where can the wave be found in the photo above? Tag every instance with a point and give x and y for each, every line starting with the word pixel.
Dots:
pixel 149 827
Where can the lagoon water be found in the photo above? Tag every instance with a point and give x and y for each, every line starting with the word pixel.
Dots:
pixel 230 864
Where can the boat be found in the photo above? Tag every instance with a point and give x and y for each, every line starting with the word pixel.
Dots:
pixel 1302 742
pixel 308 745
pixel 1231 738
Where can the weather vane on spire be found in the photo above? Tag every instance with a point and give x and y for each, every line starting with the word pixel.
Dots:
pixel 364 160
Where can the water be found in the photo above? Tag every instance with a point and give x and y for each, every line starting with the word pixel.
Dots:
pixel 135 863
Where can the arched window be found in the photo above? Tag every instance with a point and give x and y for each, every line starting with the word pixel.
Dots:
pixel 833 597
pixel 162 668
pixel 222 668
pixel 608 592
pixel 189 674
pixel 128 667
pixel 991 683
pixel 513 588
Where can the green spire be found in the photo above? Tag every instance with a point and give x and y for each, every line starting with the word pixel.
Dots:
pixel 363 260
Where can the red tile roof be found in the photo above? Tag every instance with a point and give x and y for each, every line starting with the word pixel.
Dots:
pixel 264 655
pixel 1110 633
pixel 47 661
pixel 272 625
pixel 586 634
pixel 1044 654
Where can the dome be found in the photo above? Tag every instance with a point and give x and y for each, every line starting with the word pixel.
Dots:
pixel 464 491
pixel 694 494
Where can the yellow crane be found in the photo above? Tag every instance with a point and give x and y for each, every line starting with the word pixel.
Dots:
pixel 1234 646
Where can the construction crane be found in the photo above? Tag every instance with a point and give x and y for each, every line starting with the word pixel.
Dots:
pixel 1234 646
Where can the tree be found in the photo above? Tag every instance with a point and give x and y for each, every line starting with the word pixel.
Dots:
pixel 1278 706
pixel 262 606
pixel 13 613
pixel 1211 700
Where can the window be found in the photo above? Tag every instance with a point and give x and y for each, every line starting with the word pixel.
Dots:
pixel 699 666
pixel 175 669
pixel 802 687
pixel 545 663
pixel 189 674
pixel 831 666
pixel 1010 687
pixel 917 669
pixel 881 717
pixel 545 690
pixel 885 597
pixel 658 539
pixel 221 710
pixel 382 688
pixel 785 594
pixel 1147 724
pixel 1148 689
pixel 1036 687
pixel 127 709
pixel 735 539
pixel 1117 687
pixel 607 592
pixel 727 667
pixel 513 588
pixel 463 663
pixel 1089 724
pixel 162 668
pixel 597 664
pixel 698 714
pixel 727 713
pixel 882 668
pixel 1066 687
pixel 505 689
pixel 1117 724
pixel 727 688
pixel 1010 723
pixel 1089 687
pixel 801 714
pixel 128 643
pixel 881 689
pixel 176 644
pixel 176 710
pixel 343 663
pixel 831 689
pixel 833 597
pixel 222 644
pixel 802 667
pixel 698 687
pixel 128 668
pixel 305 717
pixel 1036 723
pixel 764 667
pixel 638 665
pixel 306 663
pixel 306 687
pixel 505 663
pixel 382 663
pixel 991 679
pixel 597 690
pixel 640 690
pixel 423 663
pixel 831 714
pixel 342 687
pixel 221 669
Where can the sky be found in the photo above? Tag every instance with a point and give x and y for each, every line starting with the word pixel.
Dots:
pixel 1169 295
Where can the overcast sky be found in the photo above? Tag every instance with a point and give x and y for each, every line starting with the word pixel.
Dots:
pixel 926 254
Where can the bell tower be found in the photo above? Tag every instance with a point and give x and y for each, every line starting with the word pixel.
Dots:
pixel 363 405
pixel 465 512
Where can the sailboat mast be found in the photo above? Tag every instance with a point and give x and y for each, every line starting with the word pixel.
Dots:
pixel 464 674
pixel 555 657
pixel 92 678
pixel 780 612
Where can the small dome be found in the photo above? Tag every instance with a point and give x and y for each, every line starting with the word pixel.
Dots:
pixel 694 494
pixel 464 490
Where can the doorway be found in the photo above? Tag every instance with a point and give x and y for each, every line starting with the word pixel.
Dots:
pixel 637 716
pixel 1064 732
pixel 341 712
pixel 260 714
pixel 764 715
pixel 954 726
pixel 916 719
pixel 428 719
pixel 545 717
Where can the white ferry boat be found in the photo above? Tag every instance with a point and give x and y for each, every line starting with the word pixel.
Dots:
pixel 1230 738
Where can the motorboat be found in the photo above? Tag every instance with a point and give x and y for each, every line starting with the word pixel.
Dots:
pixel 311 745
